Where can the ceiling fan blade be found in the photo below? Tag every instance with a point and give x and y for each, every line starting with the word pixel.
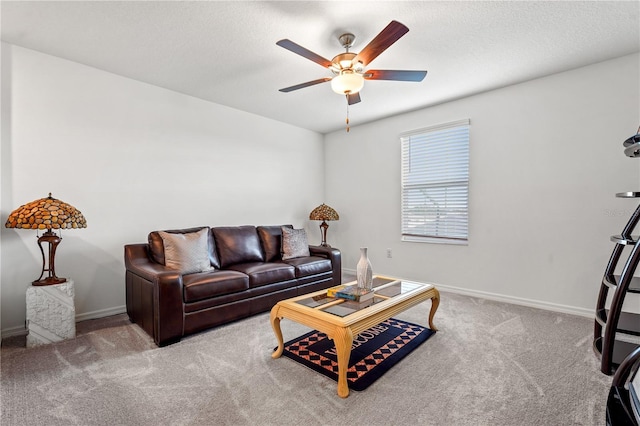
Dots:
pixel 302 51
pixel 398 75
pixel 353 99
pixel 303 85
pixel 389 35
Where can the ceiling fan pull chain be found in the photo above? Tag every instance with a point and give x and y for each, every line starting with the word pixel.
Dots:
pixel 347 96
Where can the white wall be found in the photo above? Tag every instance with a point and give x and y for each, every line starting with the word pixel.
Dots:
pixel 546 160
pixel 133 158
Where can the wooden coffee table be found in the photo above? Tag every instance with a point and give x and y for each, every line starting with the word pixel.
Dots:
pixel 341 320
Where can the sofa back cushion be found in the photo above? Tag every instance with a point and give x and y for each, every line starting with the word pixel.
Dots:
pixel 156 245
pixel 237 244
pixel 271 239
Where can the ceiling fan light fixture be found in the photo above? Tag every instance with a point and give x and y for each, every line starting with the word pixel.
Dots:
pixel 347 82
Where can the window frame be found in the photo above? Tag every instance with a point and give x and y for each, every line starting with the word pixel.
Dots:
pixel 462 183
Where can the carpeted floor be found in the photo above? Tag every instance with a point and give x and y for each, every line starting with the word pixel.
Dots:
pixel 489 364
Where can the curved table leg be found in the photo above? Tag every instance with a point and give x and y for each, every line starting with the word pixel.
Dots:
pixel 435 302
pixel 343 339
pixel 275 324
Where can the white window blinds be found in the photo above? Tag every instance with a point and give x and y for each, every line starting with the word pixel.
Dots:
pixel 435 183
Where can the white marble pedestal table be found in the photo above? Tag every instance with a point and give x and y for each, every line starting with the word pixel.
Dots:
pixel 51 313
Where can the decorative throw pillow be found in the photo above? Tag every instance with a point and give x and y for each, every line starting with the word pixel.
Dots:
pixel 187 253
pixel 294 243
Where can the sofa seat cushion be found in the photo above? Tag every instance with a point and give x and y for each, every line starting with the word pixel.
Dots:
pixel 262 273
pixel 211 284
pixel 311 265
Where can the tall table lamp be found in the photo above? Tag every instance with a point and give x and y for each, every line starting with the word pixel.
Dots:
pixel 323 212
pixel 47 214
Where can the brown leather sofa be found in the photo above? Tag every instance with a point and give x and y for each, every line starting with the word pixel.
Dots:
pixel 249 277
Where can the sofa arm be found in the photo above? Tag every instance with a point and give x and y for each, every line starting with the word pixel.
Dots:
pixel 334 255
pixel 154 295
pixel 137 260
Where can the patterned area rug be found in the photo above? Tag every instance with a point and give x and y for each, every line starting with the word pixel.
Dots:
pixel 374 351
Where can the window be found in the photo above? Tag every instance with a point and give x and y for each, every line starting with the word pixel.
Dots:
pixel 435 183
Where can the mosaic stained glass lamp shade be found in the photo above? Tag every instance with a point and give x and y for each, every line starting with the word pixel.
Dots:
pixel 323 212
pixel 47 214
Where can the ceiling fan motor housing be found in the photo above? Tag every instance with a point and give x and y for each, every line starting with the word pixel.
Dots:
pixel 344 61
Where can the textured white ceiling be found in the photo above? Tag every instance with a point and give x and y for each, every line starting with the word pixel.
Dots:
pixel 225 51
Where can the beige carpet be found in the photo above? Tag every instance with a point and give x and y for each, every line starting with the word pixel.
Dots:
pixel 490 364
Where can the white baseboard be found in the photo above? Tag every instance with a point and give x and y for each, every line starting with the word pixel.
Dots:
pixel 22 330
pixel 548 306
pixel 101 313
pixel 13 331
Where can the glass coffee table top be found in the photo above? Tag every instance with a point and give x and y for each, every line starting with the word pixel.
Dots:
pixel 384 288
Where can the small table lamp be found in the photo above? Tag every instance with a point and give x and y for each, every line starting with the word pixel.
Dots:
pixel 47 213
pixel 323 212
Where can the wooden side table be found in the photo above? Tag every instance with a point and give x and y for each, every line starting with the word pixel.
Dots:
pixel 51 313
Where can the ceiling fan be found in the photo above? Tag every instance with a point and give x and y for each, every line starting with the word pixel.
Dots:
pixel 349 69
